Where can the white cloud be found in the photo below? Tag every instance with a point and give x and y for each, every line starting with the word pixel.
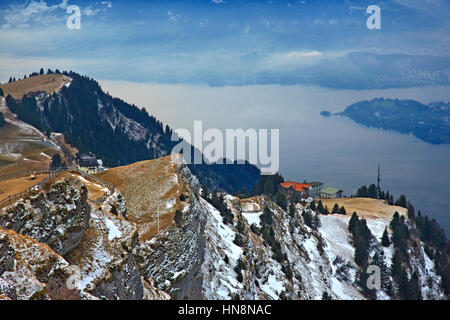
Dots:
pixel 88 11
pixel 108 4
pixel 204 23
pixel 40 12
pixel 34 11
pixel 290 59
pixel 173 17
pixel 218 1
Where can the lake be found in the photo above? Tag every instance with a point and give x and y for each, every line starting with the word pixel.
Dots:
pixel 333 150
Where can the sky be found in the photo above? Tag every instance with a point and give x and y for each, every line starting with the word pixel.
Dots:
pixel 232 42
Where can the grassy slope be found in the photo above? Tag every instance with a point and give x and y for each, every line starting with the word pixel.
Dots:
pixel 150 189
pixel 48 83
pixel 365 207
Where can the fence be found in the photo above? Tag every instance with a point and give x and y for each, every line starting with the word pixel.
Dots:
pixel 50 175
pixel 20 195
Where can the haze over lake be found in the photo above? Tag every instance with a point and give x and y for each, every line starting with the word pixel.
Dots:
pixel 333 150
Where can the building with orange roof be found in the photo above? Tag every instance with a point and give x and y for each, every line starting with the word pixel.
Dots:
pixel 291 188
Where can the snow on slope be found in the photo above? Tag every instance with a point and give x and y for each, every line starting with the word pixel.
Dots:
pixel 219 277
pixel 309 255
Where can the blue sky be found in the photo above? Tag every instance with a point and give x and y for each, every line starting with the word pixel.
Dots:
pixel 232 42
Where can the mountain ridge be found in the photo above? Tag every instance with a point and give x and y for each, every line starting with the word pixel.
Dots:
pixel 119 133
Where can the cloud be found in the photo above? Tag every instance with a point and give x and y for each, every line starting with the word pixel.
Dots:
pixel 204 23
pixel 29 13
pixel 108 4
pixel 173 17
pixel 88 11
pixel 218 1
pixel 290 59
pixel 33 12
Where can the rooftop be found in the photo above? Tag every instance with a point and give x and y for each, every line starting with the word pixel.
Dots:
pixel 300 187
pixel 330 190
pixel 315 183
pixel 87 160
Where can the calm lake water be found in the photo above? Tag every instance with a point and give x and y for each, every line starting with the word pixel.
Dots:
pixel 333 150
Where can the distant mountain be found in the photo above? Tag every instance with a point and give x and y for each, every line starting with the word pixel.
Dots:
pixel 430 123
pixel 119 133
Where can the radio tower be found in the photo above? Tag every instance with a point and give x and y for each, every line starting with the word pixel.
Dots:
pixel 379 180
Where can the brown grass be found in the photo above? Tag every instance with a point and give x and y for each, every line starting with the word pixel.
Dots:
pixel 38 83
pixel 17 185
pixel 147 187
pixel 365 207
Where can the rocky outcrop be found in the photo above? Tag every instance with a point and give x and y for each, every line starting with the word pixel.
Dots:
pixel 58 217
pixel 173 258
pixel 32 270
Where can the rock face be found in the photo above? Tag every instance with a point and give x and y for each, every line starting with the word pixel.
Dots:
pixel 99 248
pixel 105 258
pixel 174 257
pixel 58 217
pixel 31 270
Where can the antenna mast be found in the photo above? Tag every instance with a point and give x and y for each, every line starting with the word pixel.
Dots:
pixel 379 181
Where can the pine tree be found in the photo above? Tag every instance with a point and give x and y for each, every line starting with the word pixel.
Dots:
pixel 308 218
pixel 362 192
pixel 372 192
pixel 401 202
pixel 316 223
pixel 312 205
pixel 411 212
pixel 320 207
pixel 56 161
pixel 385 242
pixel 266 217
pixel 205 192
pixel 413 291
pixel 280 199
pixel 292 210
pixel 326 296
pixel 361 250
pixel 396 265
pixel 402 284
pixel 335 209
pixel 41 72
pixel 2 94
pixel 353 222
pixel 342 211
pixel 268 187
